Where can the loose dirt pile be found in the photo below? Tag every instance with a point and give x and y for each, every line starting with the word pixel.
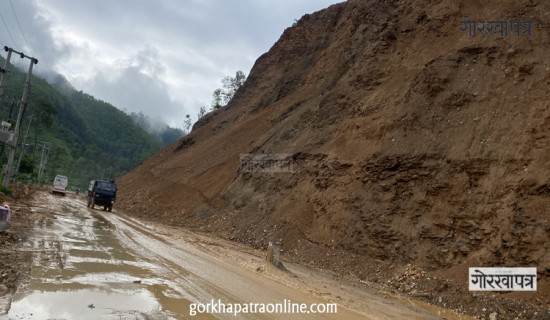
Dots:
pixel 411 144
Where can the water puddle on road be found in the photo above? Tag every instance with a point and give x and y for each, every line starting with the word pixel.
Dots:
pixel 81 271
pixel 76 305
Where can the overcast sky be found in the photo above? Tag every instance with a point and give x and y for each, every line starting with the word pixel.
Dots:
pixel 161 57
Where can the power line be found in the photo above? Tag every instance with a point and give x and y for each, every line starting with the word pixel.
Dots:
pixel 8 30
pixel 20 30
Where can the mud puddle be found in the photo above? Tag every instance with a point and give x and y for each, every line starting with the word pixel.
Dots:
pixel 80 270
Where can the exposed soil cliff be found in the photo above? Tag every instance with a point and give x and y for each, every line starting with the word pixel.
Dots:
pixel 411 143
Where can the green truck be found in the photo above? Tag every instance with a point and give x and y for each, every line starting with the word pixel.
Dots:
pixel 102 193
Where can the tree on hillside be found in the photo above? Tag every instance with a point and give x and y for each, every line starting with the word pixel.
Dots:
pixel 221 97
pixel 141 120
pixel 156 128
pixel 170 135
pixel 231 85
pixel 77 122
pixel 26 164
pixel 43 113
pixel 216 99
pixel 187 123
pixel 202 112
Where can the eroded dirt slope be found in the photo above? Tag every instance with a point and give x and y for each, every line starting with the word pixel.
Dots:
pixel 411 143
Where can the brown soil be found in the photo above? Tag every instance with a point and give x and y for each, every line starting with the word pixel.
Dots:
pixel 416 150
pixel 15 264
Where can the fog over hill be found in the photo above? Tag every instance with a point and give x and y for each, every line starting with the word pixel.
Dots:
pixel 157 128
pixel 80 136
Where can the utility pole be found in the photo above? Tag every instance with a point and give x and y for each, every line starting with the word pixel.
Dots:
pixel 5 70
pixel 43 162
pixel 22 105
pixel 22 151
pixel 11 108
pixel 2 80
pixel 9 121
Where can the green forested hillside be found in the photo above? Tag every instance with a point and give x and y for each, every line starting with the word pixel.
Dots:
pixel 88 138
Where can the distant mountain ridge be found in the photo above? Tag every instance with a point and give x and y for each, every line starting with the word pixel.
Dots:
pixel 89 138
pixel 156 128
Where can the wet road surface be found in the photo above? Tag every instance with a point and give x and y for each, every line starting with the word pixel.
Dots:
pixel 91 264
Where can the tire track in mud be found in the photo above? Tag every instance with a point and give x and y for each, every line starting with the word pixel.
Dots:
pixel 129 270
pixel 172 264
pixel 204 271
pixel 75 261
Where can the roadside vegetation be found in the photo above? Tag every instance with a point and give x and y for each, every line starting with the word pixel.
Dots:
pixel 71 133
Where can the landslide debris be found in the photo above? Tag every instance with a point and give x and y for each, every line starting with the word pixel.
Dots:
pixel 411 144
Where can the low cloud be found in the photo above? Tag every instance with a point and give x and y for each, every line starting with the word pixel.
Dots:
pixel 163 58
pixel 135 84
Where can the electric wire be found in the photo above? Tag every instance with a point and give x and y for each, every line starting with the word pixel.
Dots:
pixel 22 34
pixel 20 30
pixel 8 30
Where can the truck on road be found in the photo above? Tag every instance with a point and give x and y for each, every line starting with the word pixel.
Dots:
pixel 60 184
pixel 102 193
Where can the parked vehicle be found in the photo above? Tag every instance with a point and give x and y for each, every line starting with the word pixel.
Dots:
pixel 102 193
pixel 60 184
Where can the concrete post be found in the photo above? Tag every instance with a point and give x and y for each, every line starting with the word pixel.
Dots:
pixel 9 167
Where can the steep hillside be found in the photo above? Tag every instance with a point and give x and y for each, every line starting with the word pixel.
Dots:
pixel 411 143
pixel 89 138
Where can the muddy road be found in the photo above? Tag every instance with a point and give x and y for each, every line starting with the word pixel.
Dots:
pixel 91 264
